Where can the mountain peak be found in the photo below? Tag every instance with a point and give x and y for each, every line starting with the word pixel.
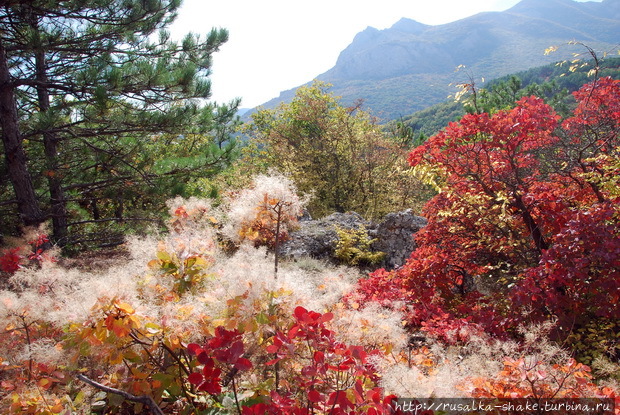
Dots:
pixel 410 65
pixel 366 35
pixel 409 26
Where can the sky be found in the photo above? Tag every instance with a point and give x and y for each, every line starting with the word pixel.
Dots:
pixel 276 45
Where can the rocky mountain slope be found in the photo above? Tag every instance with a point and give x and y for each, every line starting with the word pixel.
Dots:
pixel 411 66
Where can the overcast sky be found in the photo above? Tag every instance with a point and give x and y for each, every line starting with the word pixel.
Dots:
pixel 276 45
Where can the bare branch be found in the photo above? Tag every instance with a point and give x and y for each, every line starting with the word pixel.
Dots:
pixel 146 400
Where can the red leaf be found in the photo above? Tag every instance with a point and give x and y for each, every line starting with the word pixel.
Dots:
pixel 9 261
pixel 292 333
pixel 236 350
pixel 205 359
pixel 326 317
pixel 195 378
pixel 314 396
pixel 211 387
pixel 194 349
pixel 300 312
pixel 272 348
pixel 243 364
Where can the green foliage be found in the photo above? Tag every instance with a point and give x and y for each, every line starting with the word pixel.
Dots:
pixel 337 154
pixel 354 247
pixel 503 95
pixel 561 74
pixel 552 82
pixel 111 118
pixel 431 120
pixel 595 339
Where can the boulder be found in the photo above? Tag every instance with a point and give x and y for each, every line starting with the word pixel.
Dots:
pixel 395 237
pixel 318 238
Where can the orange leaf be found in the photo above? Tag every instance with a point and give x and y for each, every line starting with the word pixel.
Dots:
pixel 124 307
pixel 45 383
pixel 119 328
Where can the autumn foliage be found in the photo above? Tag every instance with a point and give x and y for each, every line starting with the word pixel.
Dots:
pixel 33 251
pixel 526 224
pixel 523 233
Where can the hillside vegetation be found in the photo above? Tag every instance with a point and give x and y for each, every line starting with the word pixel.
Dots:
pixel 511 295
pixel 553 82
pixel 517 268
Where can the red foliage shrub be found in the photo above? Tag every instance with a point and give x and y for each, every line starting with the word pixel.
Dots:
pixel 10 260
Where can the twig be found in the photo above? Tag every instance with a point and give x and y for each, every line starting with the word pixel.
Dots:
pixel 146 400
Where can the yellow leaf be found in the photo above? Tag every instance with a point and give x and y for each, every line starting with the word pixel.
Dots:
pixel 115 358
pixel 175 343
pixel 134 321
pixel 155 263
pixel 152 328
pixel 550 49
pixel 164 256
pixel 124 307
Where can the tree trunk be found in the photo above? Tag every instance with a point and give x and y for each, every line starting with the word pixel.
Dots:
pixel 532 226
pixel 27 204
pixel 50 143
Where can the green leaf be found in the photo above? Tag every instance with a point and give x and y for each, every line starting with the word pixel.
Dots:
pixel 164 256
pixel 262 318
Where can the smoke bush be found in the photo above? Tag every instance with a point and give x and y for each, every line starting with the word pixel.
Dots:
pixel 265 343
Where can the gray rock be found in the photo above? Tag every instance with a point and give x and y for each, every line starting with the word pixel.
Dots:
pixel 395 237
pixel 318 238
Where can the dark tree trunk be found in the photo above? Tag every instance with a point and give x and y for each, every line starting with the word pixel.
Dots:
pixel 50 143
pixel 27 204
pixel 532 226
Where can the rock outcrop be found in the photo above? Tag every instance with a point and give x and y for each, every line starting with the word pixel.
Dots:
pixel 395 237
pixel 318 238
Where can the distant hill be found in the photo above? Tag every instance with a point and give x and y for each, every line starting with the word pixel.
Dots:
pixel 410 66
pixel 431 120
pixel 242 111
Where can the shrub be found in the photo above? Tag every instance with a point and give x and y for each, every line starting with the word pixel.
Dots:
pixel 354 247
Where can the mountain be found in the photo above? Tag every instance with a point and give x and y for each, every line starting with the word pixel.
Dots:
pixel 410 66
pixel 434 118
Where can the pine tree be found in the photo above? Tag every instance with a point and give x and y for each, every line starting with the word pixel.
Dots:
pixel 92 92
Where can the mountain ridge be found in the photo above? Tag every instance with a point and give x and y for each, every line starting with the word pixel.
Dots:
pixel 411 65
